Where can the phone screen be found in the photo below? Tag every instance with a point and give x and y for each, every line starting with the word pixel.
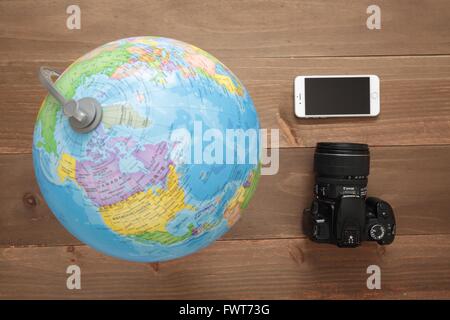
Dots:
pixel 335 96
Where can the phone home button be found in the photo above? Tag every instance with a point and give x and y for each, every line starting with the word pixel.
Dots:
pixel 374 95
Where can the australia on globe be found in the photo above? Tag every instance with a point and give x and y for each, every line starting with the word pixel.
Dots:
pixel 158 178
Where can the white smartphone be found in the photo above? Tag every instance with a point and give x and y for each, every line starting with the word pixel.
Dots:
pixel 337 96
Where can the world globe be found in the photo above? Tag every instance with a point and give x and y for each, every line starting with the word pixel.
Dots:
pixel 134 187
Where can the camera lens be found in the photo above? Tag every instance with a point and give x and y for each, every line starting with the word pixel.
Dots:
pixel 342 160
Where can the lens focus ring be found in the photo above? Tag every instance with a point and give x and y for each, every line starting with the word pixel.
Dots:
pixel 342 160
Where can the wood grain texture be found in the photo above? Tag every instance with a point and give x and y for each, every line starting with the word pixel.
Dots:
pixel 415 100
pixel 415 180
pixel 412 267
pixel 266 43
pixel 234 28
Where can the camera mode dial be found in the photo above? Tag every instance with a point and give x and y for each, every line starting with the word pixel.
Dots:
pixel 377 231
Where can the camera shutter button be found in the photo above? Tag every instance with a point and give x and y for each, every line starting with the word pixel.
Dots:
pixel 383 206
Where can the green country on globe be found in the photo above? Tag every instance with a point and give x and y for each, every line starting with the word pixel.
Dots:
pixel 125 188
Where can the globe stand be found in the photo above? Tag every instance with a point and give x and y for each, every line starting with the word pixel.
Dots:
pixel 84 114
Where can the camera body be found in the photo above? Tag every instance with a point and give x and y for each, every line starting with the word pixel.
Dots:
pixel 340 212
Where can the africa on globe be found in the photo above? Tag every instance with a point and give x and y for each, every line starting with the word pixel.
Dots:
pixel 172 162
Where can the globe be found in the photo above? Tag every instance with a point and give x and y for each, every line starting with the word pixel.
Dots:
pixel 171 165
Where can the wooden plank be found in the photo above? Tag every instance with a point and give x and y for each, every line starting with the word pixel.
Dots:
pixel 415 100
pixel 234 28
pixel 412 267
pixel 415 180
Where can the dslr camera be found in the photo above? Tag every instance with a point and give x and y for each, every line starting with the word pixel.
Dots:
pixel 341 213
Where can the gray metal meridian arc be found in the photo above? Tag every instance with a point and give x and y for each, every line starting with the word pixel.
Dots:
pixel 45 76
pixel 84 115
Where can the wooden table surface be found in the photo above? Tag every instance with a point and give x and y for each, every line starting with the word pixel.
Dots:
pixel 266 44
